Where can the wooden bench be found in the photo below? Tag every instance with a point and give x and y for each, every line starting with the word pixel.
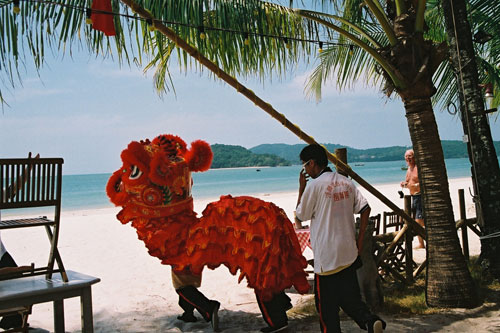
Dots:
pixel 36 289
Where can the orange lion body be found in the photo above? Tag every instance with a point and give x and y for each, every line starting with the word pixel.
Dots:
pixel 243 233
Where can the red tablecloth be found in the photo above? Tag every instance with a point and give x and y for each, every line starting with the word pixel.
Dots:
pixel 303 236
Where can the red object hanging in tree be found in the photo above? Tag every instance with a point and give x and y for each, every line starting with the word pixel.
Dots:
pixel 103 21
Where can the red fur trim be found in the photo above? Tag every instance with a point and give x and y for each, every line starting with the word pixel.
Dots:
pixel 164 171
pixel 200 156
pixel 171 144
pixel 159 169
pixel 117 197
pixel 136 155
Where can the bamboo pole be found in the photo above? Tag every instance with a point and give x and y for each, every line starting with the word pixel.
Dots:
pixel 408 244
pixel 268 108
pixel 469 223
pixel 463 216
pixel 341 154
pixel 394 242
pixel 419 269
pixel 386 238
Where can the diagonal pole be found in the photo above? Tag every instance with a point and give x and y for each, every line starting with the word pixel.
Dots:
pixel 268 108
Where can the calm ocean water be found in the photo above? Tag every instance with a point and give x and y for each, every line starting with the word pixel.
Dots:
pixel 88 191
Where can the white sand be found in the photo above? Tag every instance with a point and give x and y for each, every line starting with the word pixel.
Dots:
pixel 136 295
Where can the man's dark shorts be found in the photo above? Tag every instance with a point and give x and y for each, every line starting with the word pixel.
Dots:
pixel 416 205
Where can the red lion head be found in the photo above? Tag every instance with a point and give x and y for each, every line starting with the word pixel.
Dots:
pixel 155 178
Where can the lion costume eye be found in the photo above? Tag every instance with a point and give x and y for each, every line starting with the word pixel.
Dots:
pixel 135 173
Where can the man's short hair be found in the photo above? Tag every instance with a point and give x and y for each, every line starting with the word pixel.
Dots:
pixel 314 152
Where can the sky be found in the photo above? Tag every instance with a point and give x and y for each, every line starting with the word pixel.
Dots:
pixel 87 111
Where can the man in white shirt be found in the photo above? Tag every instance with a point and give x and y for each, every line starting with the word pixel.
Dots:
pixel 330 201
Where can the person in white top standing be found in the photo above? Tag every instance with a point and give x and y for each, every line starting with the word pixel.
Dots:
pixel 330 201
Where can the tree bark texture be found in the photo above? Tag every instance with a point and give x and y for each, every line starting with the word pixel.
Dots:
pixel 482 154
pixel 448 281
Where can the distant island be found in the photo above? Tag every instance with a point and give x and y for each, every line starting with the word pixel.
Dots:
pixel 227 156
pixel 280 154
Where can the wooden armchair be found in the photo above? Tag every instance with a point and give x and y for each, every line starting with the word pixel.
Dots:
pixel 395 262
pixel 28 183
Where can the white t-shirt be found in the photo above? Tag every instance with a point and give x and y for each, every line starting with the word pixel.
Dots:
pixel 330 202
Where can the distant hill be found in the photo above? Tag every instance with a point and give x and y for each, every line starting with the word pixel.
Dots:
pixel 228 156
pixel 451 149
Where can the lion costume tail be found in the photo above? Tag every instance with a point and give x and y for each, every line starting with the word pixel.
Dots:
pixel 250 235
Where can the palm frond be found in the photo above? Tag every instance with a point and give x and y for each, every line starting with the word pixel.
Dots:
pixel 485 17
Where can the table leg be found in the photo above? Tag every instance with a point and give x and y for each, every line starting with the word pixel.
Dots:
pixel 59 316
pixel 86 305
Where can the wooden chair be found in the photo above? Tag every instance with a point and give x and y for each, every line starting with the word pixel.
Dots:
pixel 391 220
pixel 376 223
pixel 394 263
pixel 375 220
pixel 29 183
pixel 24 312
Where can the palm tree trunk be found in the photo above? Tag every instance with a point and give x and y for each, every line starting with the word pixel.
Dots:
pixel 448 281
pixel 482 154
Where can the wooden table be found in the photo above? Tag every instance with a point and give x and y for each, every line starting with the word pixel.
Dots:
pixel 36 289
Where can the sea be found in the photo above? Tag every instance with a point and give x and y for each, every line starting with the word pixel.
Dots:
pixel 88 191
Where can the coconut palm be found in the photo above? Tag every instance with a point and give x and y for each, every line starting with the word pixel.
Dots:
pixel 484 23
pixel 245 37
pixel 394 43
pixel 458 85
pixel 481 150
pixel 485 170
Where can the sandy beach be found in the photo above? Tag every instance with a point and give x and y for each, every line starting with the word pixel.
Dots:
pixel 136 294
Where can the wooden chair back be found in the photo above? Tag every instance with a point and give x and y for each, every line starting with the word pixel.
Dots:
pixel 391 220
pixel 375 220
pixel 376 223
pixel 29 183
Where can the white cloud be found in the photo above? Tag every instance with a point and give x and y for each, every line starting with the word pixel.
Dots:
pixel 330 89
pixel 114 71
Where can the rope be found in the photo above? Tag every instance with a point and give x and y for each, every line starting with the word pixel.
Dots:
pixel 492 235
pixel 198 27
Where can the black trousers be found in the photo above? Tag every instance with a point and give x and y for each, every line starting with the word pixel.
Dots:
pixel 341 290
pixel 191 298
pixel 274 311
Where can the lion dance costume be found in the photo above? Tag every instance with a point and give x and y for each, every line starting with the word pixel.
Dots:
pixel 243 233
